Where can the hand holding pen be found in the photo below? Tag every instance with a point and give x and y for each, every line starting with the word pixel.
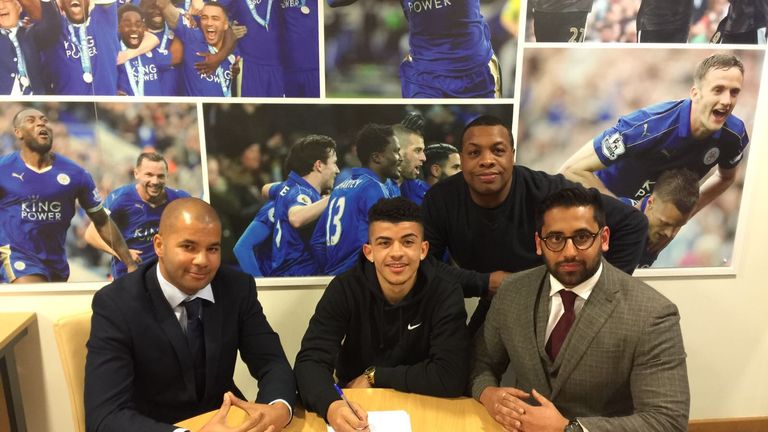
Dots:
pixel 346 416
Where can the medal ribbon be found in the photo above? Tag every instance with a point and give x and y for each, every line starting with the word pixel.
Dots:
pixel 225 89
pixel 252 6
pixel 164 42
pixel 20 63
pixel 138 88
pixel 82 44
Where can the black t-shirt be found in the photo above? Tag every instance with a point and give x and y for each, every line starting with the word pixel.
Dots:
pixel 502 238
pixel 664 14
pixel 562 5
pixel 745 15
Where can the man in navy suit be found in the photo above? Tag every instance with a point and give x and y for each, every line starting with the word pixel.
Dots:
pixel 164 339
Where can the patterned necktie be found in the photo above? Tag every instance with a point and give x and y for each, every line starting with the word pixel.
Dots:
pixel 196 340
pixel 559 333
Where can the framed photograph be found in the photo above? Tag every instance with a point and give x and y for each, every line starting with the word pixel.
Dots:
pixel 618 104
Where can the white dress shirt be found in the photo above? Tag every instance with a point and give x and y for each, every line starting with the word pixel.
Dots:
pixel 176 299
pixel 556 308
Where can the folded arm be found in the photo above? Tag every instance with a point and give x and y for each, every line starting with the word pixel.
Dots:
pixel 581 167
pixel 629 232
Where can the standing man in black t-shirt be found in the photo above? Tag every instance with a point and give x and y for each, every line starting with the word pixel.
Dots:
pixel 484 216
pixel 560 20
pixel 664 21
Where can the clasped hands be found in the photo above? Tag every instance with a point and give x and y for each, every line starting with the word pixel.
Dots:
pixel 508 407
pixel 261 417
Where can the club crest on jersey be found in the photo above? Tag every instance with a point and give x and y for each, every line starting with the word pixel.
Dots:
pixel 63 179
pixel 18 265
pixel 711 156
pixel 613 146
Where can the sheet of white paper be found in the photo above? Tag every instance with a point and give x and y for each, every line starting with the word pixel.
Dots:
pixel 387 421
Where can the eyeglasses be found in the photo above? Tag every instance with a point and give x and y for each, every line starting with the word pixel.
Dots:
pixel 581 240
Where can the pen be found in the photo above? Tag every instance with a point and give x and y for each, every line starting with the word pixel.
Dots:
pixel 344 398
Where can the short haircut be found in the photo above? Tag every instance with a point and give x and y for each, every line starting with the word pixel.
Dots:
pixel 128 7
pixel 218 5
pixel 402 133
pixel 486 120
pixel 679 187
pixel 395 210
pixel 437 154
pixel 716 61
pixel 575 196
pixel 372 138
pixel 306 151
pixel 152 157
pixel 17 117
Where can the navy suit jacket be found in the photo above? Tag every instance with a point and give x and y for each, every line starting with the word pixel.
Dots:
pixel 139 373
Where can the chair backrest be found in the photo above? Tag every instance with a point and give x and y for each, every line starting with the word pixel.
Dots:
pixel 71 335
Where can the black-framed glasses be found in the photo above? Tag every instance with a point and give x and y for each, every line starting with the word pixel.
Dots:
pixel 581 240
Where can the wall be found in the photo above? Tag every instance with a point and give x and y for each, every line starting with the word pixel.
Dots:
pixel 725 326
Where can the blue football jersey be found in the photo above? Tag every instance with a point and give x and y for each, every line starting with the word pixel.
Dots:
pixel 170 78
pixel 342 229
pixel 98 36
pixel 261 47
pixel 448 37
pixel 262 42
pixel 36 208
pixel 196 84
pixel 253 249
pixel 291 255
pixel 142 74
pixel 137 220
pixel 300 41
pixel 301 34
pixel 414 190
pixel 647 142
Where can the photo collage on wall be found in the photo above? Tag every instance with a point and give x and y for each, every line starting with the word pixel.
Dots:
pixel 112 108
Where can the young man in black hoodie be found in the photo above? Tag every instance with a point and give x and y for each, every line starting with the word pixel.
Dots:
pixel 392 321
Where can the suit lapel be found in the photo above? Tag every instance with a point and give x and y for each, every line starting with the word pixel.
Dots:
pixel 167 321
pixel 213 317
pixel 531 305
pixel 591 319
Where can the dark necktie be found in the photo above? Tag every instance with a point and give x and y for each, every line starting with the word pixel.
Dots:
pixel 559 333
pixel 196 340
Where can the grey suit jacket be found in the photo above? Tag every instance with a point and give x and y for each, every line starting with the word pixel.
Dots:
pixel 621 368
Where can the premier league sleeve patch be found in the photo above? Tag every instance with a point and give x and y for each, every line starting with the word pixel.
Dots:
pixel 613 146
pixel 711 156
pixel 304 199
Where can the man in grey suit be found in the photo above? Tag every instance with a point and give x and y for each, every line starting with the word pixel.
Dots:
pixel 591 348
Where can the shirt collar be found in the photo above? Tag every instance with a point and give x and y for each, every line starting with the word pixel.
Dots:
pixel 175 296
pixel 582 290
pixel 11 32
pixel 299 180
pixel 684 130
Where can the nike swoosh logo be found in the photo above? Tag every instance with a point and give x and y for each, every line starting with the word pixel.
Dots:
pixel 411 327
